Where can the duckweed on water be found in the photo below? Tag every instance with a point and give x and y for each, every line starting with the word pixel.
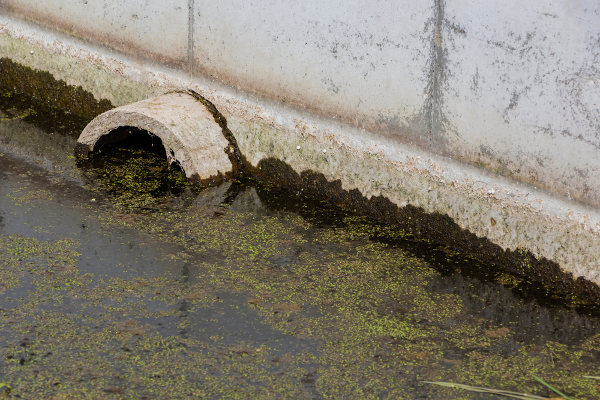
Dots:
pixel 369 304
pixel 255 302
pixel 136 178
pixel 159 290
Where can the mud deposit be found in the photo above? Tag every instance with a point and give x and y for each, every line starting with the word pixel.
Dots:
pixel 121 280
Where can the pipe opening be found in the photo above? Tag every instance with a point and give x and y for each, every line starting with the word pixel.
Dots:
pixel 132 138
pixel 129 137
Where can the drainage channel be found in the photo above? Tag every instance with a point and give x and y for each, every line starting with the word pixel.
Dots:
pixel 120 278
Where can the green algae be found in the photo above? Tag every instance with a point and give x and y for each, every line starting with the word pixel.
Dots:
pixel 54 101
pixel 369 301
pixel 21 115
pixel 29 197
pixel 22 255
pixel 137 179
pixel 373 319
pixel 366 302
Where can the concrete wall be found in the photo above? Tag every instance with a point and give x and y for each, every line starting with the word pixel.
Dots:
pixel 523 91
pixel 146 28
pixel 376 96
pixel 511 86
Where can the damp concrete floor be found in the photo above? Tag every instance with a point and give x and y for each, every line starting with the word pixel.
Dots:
pixel 116 285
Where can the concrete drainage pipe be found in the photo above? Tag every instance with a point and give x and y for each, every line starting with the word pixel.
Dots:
pixel 187 129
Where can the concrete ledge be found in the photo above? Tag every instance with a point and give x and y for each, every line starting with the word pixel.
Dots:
pixel 186 128
pixel 511 215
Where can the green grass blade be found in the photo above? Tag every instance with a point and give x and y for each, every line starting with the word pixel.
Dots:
pixel 558 392
pixel 478 389
pixel 592 377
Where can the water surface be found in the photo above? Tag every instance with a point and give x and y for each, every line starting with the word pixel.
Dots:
pixel 116 286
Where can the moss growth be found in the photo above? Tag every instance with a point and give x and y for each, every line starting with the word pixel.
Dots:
pixel 369 304
pixel 138 179
pixel 55 102
pixel 372 323
pixel 434 228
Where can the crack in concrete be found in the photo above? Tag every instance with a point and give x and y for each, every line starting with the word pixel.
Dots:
pixel 190 44
pixel 433 113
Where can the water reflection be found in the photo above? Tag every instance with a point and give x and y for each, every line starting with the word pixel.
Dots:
pixel 529 319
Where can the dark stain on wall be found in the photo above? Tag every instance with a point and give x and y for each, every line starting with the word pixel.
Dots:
pixel 432 113
pixel 54 100
pixel 431 233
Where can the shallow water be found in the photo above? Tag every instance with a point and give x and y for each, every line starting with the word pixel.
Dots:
pixel 241 291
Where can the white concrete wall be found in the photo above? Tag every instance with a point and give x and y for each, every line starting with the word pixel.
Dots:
pixel 511 86
pixel 523 90
pixel 342 59
pixel 148 28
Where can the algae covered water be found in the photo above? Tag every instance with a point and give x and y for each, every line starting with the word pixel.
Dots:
pixel 119 279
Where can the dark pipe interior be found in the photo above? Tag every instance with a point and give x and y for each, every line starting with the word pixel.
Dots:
pixel 131 138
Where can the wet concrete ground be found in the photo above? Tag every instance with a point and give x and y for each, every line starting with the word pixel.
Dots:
pixel 240 291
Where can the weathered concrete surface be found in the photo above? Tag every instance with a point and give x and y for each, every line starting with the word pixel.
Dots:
pixel 364 65
pixel 152 29
pixel 509 214
pixel 186 128
pixel 509 87
pixel 523 217
pixel 120 81
pixel 523 91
